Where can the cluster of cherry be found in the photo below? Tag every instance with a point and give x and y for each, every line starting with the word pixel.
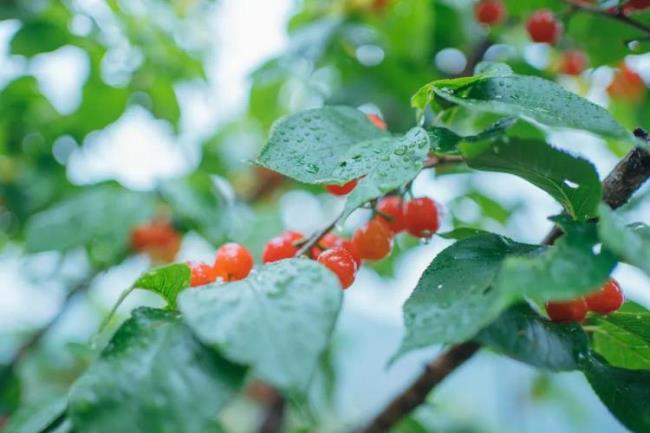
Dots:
pixel 544 27
pixel 606 300
pixel 372 241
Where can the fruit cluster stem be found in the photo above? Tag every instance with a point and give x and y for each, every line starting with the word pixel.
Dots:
pixel 626 177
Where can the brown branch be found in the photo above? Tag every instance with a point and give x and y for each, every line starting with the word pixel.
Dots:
pixel 272 422
pixel 628 175
pixel 434 373
pixel 475 57
pixel 616 14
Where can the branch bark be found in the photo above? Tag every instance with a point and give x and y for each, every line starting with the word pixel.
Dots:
pixel 616 14
pixel 626 177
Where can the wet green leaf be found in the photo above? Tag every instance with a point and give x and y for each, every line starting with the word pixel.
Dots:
pixel 631 243
pixel 572 181
pixel 278 320
pixel 623 338
pixel 153 376
pixel 168 281
pixel 37 417
pixel 524 335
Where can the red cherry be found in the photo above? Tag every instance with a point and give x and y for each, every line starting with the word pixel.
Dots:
pixel 421 216
pixel 607 299
pixel 380 5
pixel 635 5
pixel 627 85
pixel 281 247
pixel 341 189
pixel 543 27
pixel 202 274
pixel 233 262
pixel 567 311
pixel 394 208
pixel 489 12
pixel 574 62
pixel 330 240
pixel 373 241
pixel 158 238
pixel 377 121
pixel 341 262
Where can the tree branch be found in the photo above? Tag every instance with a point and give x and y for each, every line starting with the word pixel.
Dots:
pixel 628 175
pixel 616 14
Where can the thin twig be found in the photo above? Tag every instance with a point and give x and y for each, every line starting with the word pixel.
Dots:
pixel 616 14
pixel 316 237
pixel 437 160
pixel 628 175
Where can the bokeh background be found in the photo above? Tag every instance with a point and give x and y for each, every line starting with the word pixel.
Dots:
pixel 147 96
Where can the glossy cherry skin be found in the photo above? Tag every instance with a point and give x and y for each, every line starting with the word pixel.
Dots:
pixel 340 261
pixel 233 262
pixel 607 299
pixel 374 240
pixel 567 311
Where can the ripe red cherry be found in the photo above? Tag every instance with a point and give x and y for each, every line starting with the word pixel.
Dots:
pixel 281 247
pixel 573 62
pixel 627 85
pixel 201 274
pixel 490 12
pixel 567 311
pixel 341 262
pixel 158 238
pixel 330 240
pixel 393 207
pixel 422 217
pixel 373 241
pixel 377 121
pixel 543 27
pixel 635 5
pixel 233 262
pixel 607 299
pixel 341 189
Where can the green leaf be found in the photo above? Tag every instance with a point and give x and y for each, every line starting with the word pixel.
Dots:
pixel 385 164
pixel 631 243
pixel 570 180
pixel 524 335
pixel 626 393
pixel 623 338
pixel 168 281
pixel 526 97
pixel 101 105
pixel 39 36
pixel 36 417
pixel 278 320
pixel 10 389
pixel 97 217
pixel 445 141
pixel 454 299
pixel 196 202
pixel 566 270
pixel 153 376
pixel 308 146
